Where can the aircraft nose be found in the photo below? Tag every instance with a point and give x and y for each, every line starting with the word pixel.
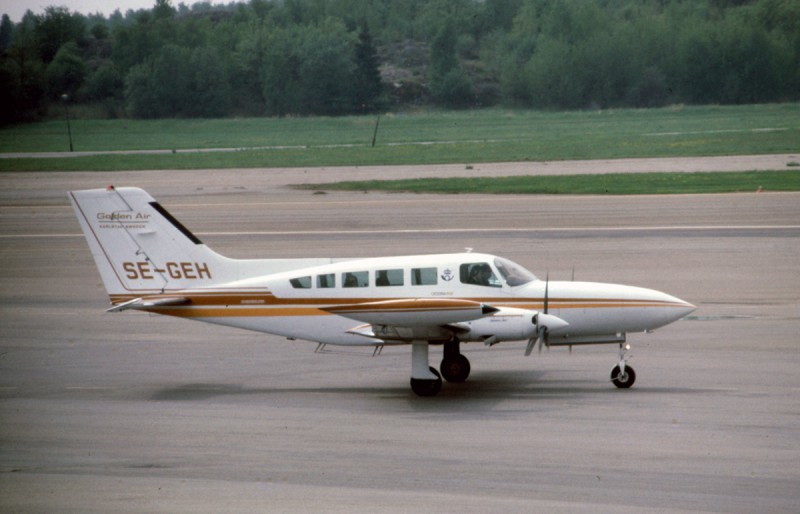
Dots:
pixel 688 308
pixel 671 307
pixel 684 309
pixel 645 309
pixel 682 306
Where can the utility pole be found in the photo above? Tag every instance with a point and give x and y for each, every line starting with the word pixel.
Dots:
pixel 65 97
pixel 375 133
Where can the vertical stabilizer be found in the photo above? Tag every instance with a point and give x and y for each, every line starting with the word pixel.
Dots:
pixel 141 249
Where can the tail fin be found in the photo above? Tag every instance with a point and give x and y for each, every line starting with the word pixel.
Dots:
pixel 141 249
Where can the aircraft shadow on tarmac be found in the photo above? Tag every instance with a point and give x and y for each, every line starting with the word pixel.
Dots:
pixel 486 385
pixel 481 392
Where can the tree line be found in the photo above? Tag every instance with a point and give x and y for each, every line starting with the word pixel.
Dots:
pixel 336 57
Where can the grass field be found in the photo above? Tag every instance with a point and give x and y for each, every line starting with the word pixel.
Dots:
pixel 491 135
pixel 606 184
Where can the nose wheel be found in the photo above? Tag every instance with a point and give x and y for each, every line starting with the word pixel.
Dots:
pixel 623 378
pixel 623 375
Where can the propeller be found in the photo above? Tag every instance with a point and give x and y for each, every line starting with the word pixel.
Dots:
pixel 544 321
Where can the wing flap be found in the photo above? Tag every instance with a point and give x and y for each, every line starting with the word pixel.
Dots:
pixel 389 333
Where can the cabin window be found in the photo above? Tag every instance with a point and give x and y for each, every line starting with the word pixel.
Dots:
pixel 355 279
pixel 389 277
pixel 479 274
pixel 326 281
pixel 424 276
pixel 301 282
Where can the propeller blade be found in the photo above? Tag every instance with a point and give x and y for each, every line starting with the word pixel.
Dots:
pixel 532 340
pixel 529 348
pixel 546 291
pixel 544 322
pixel 540 339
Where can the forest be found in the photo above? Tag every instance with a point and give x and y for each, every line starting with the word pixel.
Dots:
pixel 339 57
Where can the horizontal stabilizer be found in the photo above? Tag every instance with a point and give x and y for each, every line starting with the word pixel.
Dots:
pixel 144 303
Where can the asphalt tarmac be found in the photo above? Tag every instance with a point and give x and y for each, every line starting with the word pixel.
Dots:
pixel 129 412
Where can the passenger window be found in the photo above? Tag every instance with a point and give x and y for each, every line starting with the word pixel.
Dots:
pixel 478 273
pixel 389 277
pixel 301 282
pixel 355 279
pixel 326 281
pixel 424 277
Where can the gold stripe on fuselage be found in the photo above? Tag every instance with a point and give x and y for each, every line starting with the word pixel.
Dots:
pixel 262 304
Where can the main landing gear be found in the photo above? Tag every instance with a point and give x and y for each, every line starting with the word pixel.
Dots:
pixel 425 380
pixel 455 367
pixel 623 375
pixel 427 386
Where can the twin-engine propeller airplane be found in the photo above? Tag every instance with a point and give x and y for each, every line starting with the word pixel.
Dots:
pixel 150 262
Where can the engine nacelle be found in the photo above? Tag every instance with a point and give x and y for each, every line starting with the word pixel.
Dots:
pixel 507 324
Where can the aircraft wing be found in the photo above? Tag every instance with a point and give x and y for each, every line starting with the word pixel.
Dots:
pixel 414 312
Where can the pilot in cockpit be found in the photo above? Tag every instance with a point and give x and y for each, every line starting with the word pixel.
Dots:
pixel 480 274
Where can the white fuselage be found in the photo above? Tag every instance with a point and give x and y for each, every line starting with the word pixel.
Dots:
pixel 292 304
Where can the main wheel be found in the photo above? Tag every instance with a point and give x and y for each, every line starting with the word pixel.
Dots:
pixel 426 387
pixel 455 369
pixel 623 380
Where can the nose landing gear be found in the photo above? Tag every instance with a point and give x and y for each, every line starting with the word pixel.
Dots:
pixel 623 375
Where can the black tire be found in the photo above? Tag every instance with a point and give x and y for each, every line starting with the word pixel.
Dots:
pixel 625 380
pixel 425 387
pixel 455 369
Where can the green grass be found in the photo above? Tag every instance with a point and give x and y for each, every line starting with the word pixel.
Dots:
pixel 491 135
pixel 606 184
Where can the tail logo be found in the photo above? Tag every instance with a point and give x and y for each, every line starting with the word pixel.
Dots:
pixel 122 216
pixel 125 220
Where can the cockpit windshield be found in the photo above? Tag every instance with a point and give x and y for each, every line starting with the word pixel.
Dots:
pixel 513 273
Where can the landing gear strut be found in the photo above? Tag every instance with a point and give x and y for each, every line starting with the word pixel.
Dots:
pixel 425 380
pixel 623 375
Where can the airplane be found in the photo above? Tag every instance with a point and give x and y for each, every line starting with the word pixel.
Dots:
pixel 150 262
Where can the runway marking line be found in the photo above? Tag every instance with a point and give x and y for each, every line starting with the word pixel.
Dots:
pixel 453 230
